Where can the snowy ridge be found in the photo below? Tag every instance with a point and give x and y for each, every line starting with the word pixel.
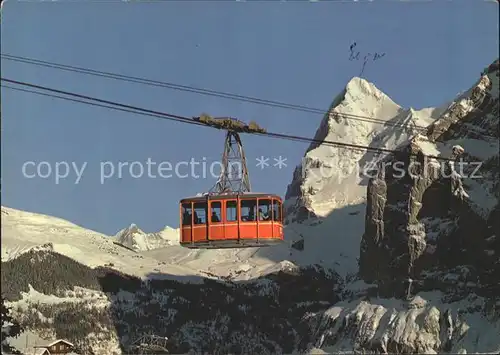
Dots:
pixel 425 324
pixel 134 238
pixel 480 148
pixel 24 231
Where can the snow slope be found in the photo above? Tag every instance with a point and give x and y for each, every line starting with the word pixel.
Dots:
pixel 333 244
pixel 23 231
pixel 236 264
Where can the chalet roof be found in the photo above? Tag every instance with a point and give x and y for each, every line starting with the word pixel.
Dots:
pixel 54 343
pixel 31 351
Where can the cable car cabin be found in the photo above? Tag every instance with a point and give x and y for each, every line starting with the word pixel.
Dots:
pixel 231 221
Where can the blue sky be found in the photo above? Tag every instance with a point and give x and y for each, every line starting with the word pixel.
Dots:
pixel 296 52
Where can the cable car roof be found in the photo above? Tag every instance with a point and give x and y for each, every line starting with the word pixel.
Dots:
pixel 231 195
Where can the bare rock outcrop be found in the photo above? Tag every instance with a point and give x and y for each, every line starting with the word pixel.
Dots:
pixel 434 204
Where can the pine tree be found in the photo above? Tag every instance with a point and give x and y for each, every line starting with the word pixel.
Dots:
pixel 10 328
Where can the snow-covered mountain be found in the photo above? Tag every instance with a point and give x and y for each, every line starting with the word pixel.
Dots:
pixel 326 199
pixel 24 231
pixel 331 177
pixel 426 280
pixel 134 238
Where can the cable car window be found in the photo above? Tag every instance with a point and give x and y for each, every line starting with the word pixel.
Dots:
pixel 248 210
pixel 231 211
pixel 216 211
pixel 276 210
pixel 200 213
pixel 265 210
pixel 186 214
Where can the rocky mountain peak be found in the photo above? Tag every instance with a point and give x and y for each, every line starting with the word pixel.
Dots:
pixel 135 238
pixel 357 86
pixel 330 176
pixel 129 232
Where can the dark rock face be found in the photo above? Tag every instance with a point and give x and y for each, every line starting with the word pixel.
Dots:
pixel 421 215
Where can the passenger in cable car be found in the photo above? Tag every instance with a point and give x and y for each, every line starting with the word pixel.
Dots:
pixel 263 216
pixel 196 218
pixel 187 217
pixel 215 218
pixel 251 215
pixel 275 214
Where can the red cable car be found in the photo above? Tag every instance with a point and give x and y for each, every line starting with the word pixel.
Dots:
pixel 230 215
pixel 232 221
